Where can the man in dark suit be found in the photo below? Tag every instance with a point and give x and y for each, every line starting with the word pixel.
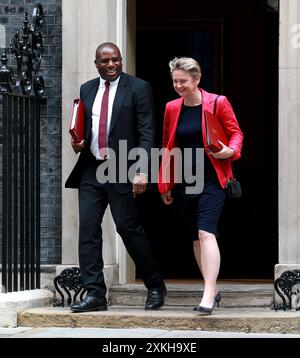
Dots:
pixel 118 107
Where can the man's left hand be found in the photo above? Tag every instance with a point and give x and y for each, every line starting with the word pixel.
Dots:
pixel 139 184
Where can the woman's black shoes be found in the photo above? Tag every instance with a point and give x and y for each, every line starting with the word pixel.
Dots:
pixel 204 310
pixel 218 298
pixel 207 310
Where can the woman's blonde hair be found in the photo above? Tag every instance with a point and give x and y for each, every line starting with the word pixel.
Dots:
pixel 186 64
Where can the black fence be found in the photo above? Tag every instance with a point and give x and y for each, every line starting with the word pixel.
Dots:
pixel 20 193
pixel 21 157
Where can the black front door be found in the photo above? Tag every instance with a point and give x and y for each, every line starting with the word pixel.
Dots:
pixel 237 48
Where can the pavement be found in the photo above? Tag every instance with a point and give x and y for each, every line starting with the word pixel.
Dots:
pixel 61 332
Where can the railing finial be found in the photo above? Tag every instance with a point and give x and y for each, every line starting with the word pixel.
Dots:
pixel 28 50
pixel 5 75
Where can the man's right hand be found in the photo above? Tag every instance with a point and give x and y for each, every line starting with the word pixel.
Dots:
pixel 167 198
pixel 77 147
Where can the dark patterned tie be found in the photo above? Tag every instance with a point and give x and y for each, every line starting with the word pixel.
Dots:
pixel 102 134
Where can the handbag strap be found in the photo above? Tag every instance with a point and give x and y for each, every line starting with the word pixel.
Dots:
pixel 232 165
pixel 215 104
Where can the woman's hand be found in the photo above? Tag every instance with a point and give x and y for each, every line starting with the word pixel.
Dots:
pixel 77 147
pixel 167 198
pixel 224 153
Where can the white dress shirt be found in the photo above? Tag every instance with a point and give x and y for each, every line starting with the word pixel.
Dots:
pixel 96 112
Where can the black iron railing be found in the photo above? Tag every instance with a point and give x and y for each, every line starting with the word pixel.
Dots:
pixel 21 157
pixel 21 192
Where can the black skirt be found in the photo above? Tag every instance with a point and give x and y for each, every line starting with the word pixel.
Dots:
pixel 202 211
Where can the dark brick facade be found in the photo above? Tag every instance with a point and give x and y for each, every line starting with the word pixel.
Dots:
pixel 11 16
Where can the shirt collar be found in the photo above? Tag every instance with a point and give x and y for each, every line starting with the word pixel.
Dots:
pixel 112 83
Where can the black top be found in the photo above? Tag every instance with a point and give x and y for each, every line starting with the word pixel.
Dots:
pixel 189 135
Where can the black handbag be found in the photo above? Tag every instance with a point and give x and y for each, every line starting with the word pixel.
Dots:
pixel 233 187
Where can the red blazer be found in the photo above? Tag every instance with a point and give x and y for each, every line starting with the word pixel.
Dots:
pixel 225 114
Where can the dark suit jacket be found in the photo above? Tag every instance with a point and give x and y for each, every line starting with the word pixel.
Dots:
pixel 132 120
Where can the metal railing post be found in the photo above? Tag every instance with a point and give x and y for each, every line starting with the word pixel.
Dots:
pixel 21 100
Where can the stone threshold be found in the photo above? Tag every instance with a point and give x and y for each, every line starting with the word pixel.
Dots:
pixel 189 294
pixel 247 320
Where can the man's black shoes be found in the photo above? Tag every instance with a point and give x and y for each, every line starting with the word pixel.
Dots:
pixel 90 304
pixel 155 298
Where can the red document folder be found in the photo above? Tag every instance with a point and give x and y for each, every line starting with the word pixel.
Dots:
pixel 77 121
pixel 214 132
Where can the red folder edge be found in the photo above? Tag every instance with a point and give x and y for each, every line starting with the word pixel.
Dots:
pixel 77 132
pixel 214 132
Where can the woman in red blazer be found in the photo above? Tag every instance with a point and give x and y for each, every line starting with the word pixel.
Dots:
pixel 184 128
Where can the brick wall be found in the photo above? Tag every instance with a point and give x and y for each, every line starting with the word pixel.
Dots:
pixel 11 19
